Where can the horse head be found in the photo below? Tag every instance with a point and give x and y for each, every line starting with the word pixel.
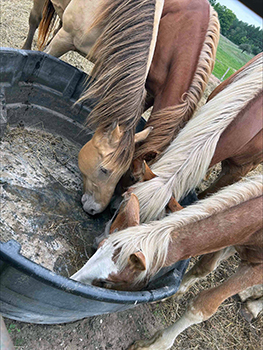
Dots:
pixel 103 268
pixel 100 174
pixel 118 263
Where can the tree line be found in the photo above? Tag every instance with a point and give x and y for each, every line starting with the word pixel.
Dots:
pixel 246 36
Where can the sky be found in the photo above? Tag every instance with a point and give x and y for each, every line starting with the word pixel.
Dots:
pixel 242 12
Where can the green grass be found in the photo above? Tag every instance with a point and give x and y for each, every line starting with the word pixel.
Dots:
pixel 229 55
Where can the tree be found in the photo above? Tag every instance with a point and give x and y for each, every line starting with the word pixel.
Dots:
pixel 226 17
pixel 245 47
pixel 238 31
pixel 212 2
pixel 255 50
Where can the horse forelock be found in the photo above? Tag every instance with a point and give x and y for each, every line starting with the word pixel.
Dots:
pixel 121 56
pixel 168 121
pixel 121 158
pixel 153 239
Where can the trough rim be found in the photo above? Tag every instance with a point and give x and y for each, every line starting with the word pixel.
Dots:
pixel 10 253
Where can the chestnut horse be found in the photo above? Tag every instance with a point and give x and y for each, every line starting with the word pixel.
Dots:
pixel 227 129
pixel 230 218
pixel 122 43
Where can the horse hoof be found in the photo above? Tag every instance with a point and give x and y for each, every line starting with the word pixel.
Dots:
pixel 246 314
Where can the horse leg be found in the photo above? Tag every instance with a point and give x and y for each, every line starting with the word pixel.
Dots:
pixel 231 172
pixel 204 306
pixel 254 292
pixel 34 20
pixel 206 264
pixel 60 44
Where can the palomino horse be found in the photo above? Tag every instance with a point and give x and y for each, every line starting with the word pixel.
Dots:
pixel 230 218
pixel 228 129
pixel 125 35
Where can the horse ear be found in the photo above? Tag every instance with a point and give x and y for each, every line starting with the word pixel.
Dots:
pixel 128 216
pixel 138 261
pixel 101 243
pixel 132 211
pixel 148 174
pixel 137 167
pixel 115 134
pixel 173 205
pixel 142 135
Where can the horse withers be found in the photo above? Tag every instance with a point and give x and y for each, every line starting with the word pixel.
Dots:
pixel 126 43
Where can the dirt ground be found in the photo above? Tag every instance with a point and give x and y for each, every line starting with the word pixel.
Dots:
pixel 226 330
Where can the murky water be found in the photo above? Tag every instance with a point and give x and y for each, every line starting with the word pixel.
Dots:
pixel 41 187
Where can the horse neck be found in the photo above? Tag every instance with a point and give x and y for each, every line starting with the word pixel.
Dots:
pixel 162 241
pixel 120 68
pixel 196 143
pixel 180 71
pixel 227 228
pixel 189 22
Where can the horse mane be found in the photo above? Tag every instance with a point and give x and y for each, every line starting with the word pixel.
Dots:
pixel 154 238
pixel 168 121
pixel 187 159
pixel 118 78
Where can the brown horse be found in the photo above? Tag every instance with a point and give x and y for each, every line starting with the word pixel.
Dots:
pixel 187 34
pixel 227 129
pixel 230 218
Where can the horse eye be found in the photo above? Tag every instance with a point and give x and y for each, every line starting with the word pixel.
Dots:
pixel 104 170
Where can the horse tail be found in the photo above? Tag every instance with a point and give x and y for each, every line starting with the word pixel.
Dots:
pixel 46 25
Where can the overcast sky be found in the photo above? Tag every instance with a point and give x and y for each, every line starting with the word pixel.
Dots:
pixel 242 12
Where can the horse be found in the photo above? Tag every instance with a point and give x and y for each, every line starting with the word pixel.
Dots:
pixel 166 47
pixel 227 129
pixel 217 226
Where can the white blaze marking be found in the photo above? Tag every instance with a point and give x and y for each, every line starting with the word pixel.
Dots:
pixel 99 266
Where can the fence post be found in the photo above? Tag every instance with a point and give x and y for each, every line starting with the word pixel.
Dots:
pixel 225 73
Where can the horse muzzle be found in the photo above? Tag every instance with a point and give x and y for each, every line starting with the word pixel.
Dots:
pixel 90 206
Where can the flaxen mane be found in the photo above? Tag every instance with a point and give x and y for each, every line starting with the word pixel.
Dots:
pixel 153 239
pixel 186 161
pixel 168 121
pixel 121 56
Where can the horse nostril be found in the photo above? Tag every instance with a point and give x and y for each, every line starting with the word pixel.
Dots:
pixel 98 283
pixel 92 211
pixel 83 199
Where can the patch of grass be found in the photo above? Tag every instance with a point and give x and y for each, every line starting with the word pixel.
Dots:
pixel 229 56
pixel 13 328
pixel 16 337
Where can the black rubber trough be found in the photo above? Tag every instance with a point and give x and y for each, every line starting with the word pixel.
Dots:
pixel 35 86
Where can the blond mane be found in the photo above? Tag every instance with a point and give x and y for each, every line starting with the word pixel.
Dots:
pixel 118 78
pixel 168 121
pixel 153 239
pixel 186 161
